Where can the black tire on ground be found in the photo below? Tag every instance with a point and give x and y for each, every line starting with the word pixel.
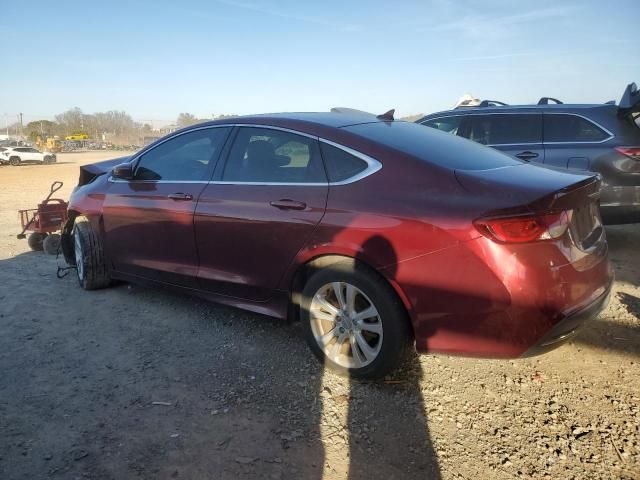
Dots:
pixel 397 341
pixel 47 160
pixel 91 264
pixel 51 244
pixel 36 240
pixel 15 161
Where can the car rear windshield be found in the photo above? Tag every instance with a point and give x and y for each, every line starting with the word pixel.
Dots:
pixel 433 146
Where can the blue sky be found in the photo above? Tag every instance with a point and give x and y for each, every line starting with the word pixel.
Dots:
pixel 155 59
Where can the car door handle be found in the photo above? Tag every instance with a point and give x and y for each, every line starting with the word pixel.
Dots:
pixel 526 156
pixel 180 196
pixel 286 204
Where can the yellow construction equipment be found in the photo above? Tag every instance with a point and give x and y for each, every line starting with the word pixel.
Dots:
pixel 50 144
pixel 77 136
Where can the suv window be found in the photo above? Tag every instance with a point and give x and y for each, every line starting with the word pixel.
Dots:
pixel 504 129
pixel 571 128
pixel 341 165
pixel 446 124
pixel 182 158
pixel 265 155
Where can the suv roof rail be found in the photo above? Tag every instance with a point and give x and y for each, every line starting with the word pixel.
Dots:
pixel 545 101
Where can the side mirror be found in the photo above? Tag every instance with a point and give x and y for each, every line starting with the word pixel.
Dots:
pixel 124 171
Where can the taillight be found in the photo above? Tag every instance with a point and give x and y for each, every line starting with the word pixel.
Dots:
pixel 525 228
pixel 632 152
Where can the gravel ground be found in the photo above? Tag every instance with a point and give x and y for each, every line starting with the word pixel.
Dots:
pixel 136 383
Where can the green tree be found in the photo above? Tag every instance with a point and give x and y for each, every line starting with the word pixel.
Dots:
pixel 42 128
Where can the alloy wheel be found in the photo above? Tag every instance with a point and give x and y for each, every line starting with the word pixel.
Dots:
pixel 346 325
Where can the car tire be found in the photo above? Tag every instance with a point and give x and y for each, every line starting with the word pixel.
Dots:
pixel 47 160
pixel 36 241
pixel 15 161
pixel 363 352
pixel 51 244
pixel 91 265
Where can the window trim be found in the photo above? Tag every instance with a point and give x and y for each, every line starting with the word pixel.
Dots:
pixel 373 165
pixel 593 142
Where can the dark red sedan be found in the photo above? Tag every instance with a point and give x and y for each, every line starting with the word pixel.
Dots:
pixel 376 234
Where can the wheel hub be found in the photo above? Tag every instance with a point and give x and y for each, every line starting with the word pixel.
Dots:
pixel 346 325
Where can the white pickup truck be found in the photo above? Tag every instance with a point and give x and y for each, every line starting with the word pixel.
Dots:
pixel 19 155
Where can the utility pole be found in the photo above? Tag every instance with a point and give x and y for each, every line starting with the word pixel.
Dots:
pixel 21 131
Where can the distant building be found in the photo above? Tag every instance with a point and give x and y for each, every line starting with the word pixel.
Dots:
pixel 168 129
pixel 147 139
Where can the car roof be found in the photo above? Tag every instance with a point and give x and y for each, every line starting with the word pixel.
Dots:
pixel 556 108
pixel 325 119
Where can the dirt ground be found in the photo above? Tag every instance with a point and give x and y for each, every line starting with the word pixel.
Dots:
pixel 136 383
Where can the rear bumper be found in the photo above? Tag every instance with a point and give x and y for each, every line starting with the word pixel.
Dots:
pixel 569 327
pixel 481 299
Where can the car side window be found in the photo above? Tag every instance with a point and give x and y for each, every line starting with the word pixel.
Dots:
pixel 571 128
pixel 341 165
pixel 264 155
pixel 505 129
pixel 182 158
pixel 445 124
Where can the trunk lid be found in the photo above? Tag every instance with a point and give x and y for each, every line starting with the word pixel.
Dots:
pixel 525 189
pixel 629 105
pixel 630 101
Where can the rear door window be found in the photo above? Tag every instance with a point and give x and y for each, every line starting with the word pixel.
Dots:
pixel 505 129
pixel 560 127
pixel 445 124
pixel 262 155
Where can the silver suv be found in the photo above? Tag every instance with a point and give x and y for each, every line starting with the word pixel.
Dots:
pixel 602 138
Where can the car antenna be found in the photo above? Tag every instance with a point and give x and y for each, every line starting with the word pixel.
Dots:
pixel 387 116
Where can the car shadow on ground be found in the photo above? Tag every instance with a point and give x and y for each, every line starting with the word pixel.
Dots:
pixel 130 382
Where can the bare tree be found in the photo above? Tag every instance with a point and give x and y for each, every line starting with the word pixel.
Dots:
pixel 186 119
